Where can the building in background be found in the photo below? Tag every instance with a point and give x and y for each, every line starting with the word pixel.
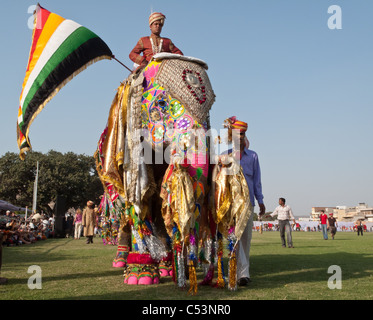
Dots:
pixel 344 213
pixel 316 211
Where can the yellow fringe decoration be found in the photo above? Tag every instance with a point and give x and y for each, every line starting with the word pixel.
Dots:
pixel 232 284
pixel 192 279
pixel 220 282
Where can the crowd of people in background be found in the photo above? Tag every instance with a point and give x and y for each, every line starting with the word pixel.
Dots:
pixel 76 223
pixel 17 230
pixel 358 227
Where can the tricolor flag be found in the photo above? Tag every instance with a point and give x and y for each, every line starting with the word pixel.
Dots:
pixel 60 49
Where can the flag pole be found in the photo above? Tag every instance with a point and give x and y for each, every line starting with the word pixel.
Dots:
pixel 35 188
pixel 122 64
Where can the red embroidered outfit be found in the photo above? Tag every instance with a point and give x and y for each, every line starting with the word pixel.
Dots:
pixel 149 46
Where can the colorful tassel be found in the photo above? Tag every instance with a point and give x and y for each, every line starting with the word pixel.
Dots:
pixel 181 279
pixel 192 279
pixel 220 281
pixel 232 283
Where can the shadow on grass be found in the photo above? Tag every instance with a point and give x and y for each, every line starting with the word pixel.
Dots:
pixel 165 291
pixel 45 251
pixel 70 276
pixel 267 271
pixel 274 270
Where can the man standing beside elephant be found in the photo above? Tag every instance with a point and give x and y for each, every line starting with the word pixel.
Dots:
pixel 251 169
pixel 149 46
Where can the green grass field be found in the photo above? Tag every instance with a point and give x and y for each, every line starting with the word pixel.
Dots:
pixel 73 270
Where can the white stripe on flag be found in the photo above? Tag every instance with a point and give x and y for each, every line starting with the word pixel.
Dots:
pixel 63 31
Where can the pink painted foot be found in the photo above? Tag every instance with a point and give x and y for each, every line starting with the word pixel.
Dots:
pixel 145 281
pixel 119 264
pixel 132 280
pixel 164 273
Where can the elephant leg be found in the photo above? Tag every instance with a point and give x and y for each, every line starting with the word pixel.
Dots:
pixel 123 247
pixel 141 269
pixel 157 172
pixel 165 265
pixel 207 251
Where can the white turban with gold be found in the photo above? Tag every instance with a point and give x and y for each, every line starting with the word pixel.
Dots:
pixel 156 16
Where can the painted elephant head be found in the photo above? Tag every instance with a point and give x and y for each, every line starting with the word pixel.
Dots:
pixel 176 100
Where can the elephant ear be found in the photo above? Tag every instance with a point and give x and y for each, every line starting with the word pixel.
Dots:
pixel 187 81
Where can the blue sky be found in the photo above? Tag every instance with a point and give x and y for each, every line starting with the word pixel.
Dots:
pixel 304 89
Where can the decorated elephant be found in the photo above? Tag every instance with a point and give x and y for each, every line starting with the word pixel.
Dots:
pixel 153 160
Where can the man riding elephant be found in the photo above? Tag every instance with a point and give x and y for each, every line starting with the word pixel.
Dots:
pixel 147 47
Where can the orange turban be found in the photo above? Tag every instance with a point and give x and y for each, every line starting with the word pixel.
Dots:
pixel 233 123
pixel 156 16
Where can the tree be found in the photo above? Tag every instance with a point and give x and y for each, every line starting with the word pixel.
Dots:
pixel 69 175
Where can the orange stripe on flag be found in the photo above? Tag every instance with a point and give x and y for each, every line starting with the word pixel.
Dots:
pixel 41 17
pixel 50 27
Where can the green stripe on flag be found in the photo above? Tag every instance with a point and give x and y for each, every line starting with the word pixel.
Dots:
pixel 73 42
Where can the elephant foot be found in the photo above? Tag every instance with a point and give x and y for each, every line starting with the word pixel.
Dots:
pixel 121 257
pixel 164 272
pixel 131 280
pixel 141 270
pixel 165 266
pixel 119 264
pixel 144 280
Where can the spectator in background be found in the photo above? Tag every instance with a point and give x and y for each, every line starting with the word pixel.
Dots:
pixel 32 224
pixel 284 214
pixel 2 280
pixel 37 217
pixel 69 226
pixel 332 225
pixel 89 221
pixel 359 227
pixel 324 227
pixel 78 223
pixel 45 226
